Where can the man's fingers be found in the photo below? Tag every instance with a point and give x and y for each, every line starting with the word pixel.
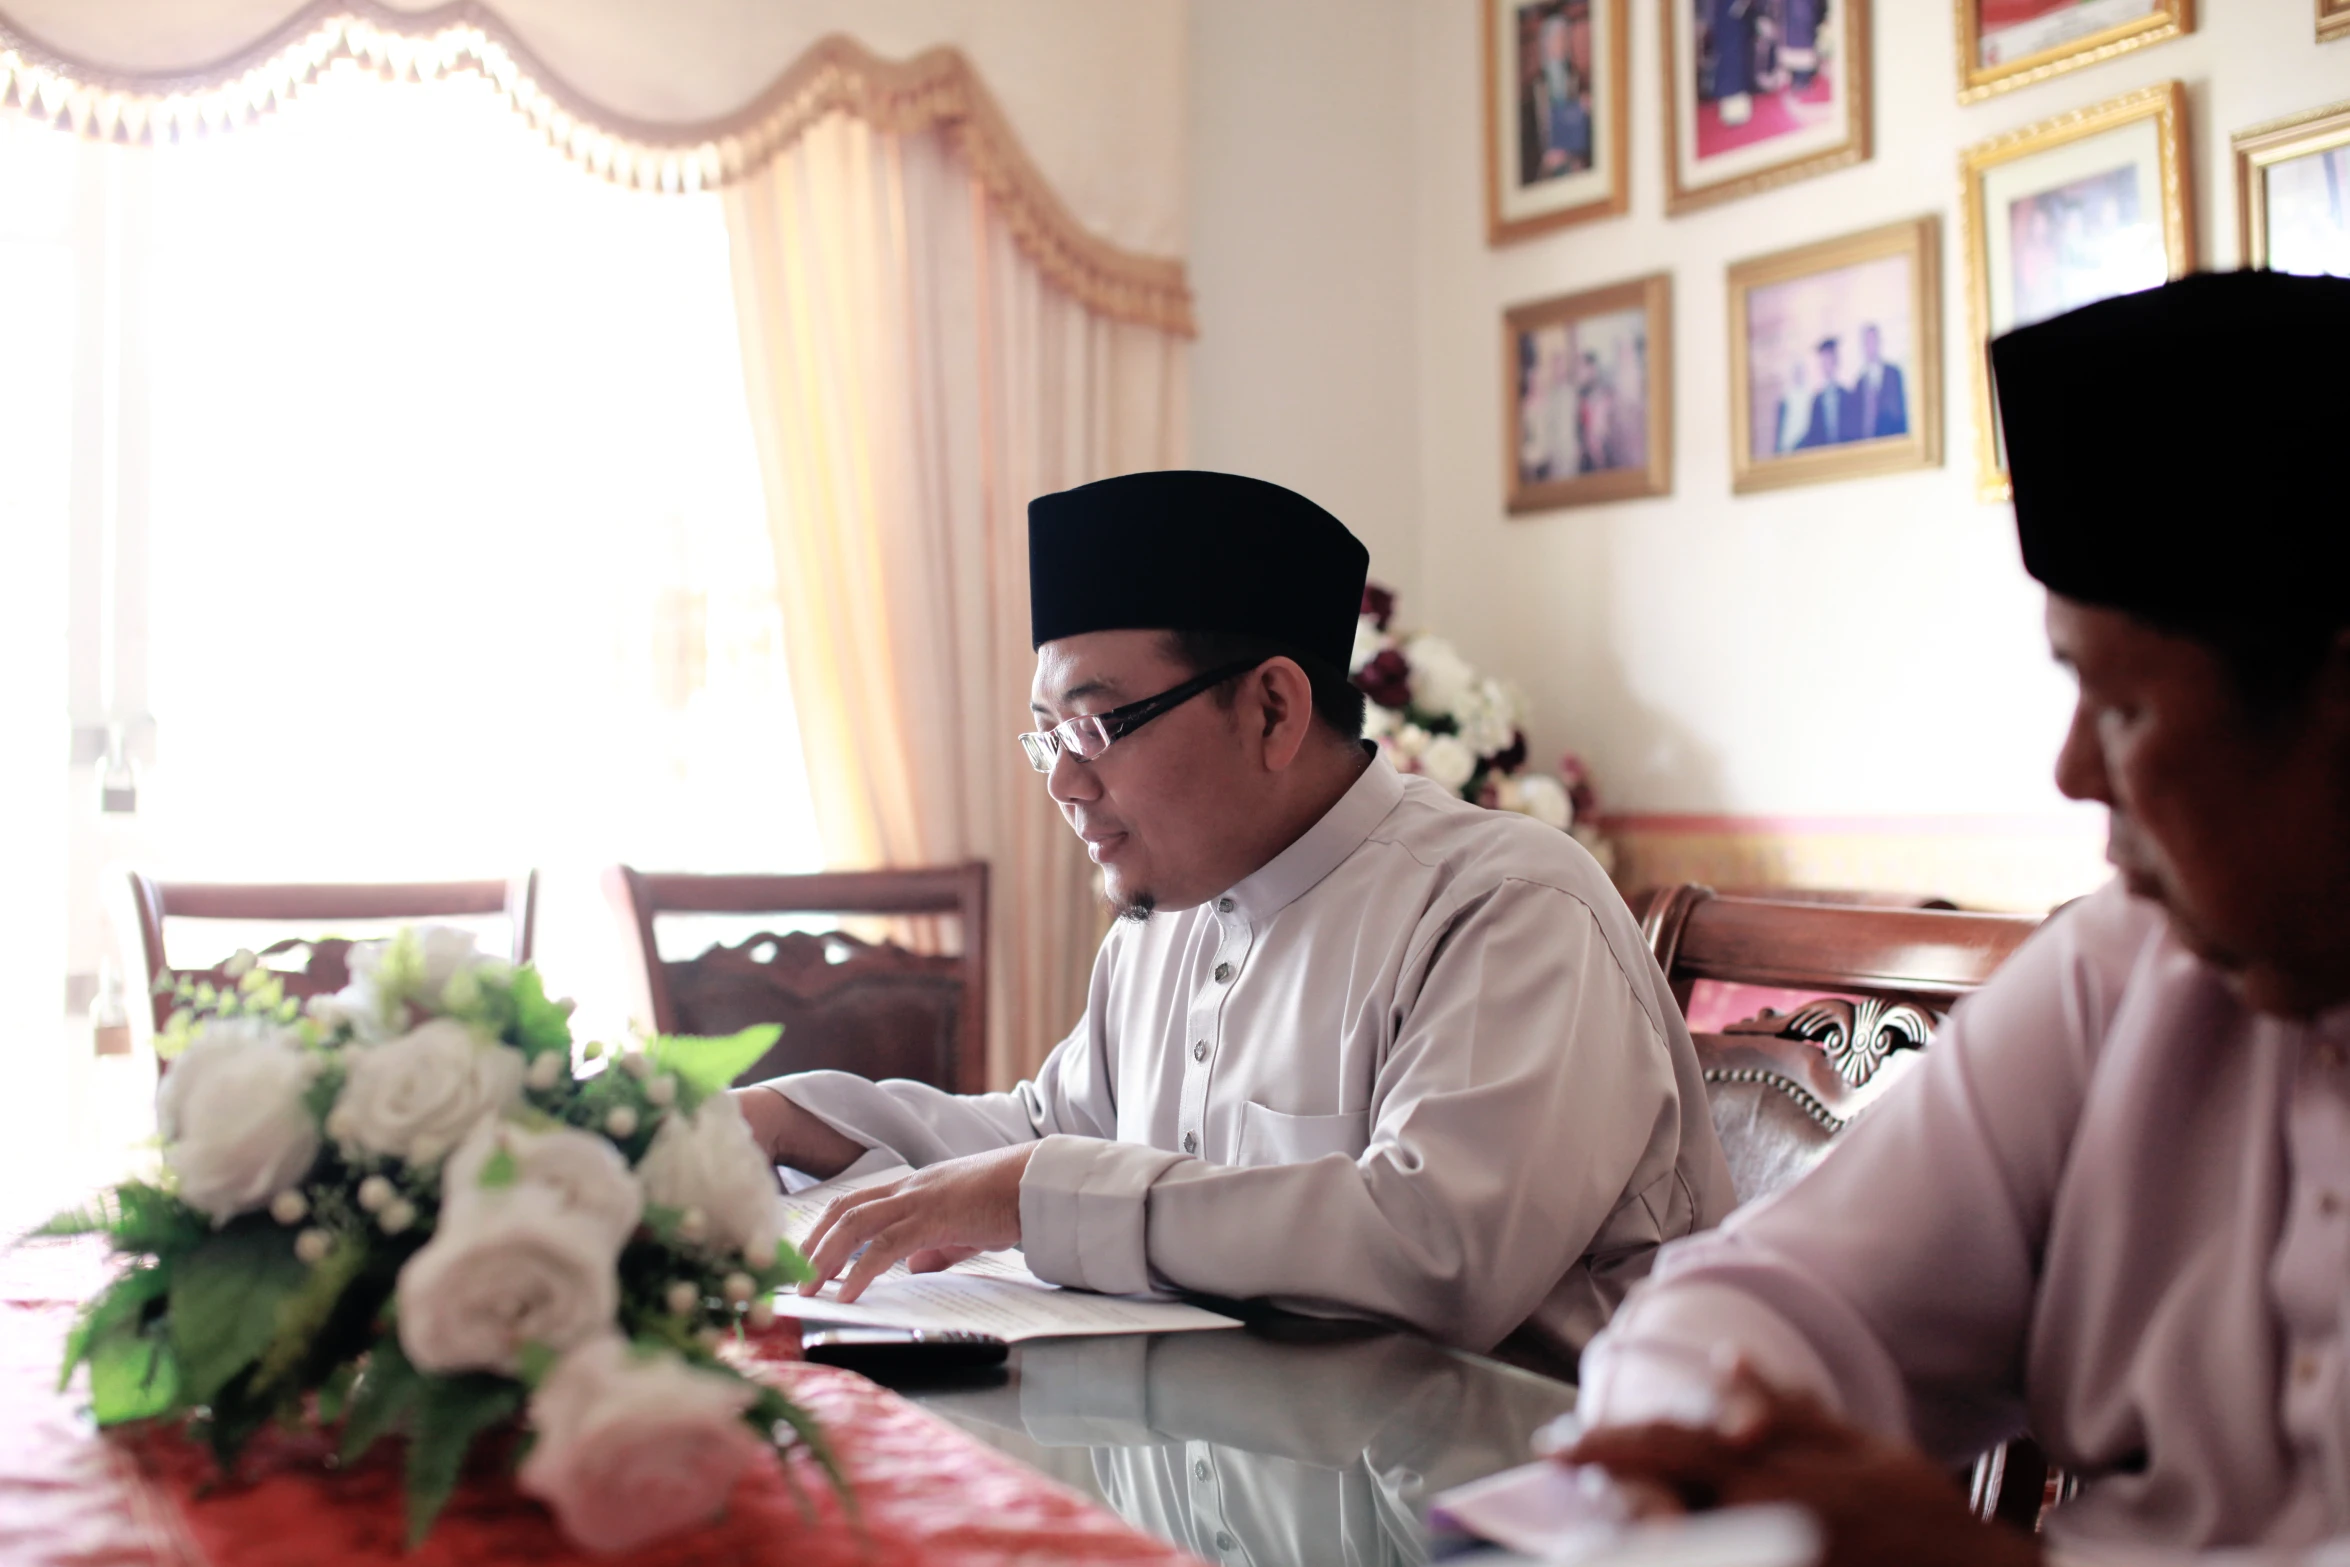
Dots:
pixel 937 1259
pixel 883 1250
pixel 849 1230
pixel 1689 1460
pixel 840 1207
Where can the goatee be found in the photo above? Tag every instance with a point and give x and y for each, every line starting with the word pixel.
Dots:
pixel 1138 908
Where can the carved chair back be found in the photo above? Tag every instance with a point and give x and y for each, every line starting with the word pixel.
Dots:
pixel 1871 985
pixel 325 962
pixel 873 1008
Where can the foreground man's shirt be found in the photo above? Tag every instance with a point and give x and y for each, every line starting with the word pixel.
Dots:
pixel 2114 1204
pixel 1420 1066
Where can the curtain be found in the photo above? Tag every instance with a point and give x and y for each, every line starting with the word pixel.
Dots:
pixel 916 376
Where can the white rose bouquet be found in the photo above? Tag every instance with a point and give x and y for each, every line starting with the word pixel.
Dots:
pixel 403 1209
pixel 1432 713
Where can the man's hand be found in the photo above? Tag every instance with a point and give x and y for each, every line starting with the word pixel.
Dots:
pixel 931 1219
pixel 1877 1501
pixel 793 1136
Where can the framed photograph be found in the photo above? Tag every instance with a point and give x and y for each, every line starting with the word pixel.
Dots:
pixel 2067 212
pixel 2012 43
pixel 1836 358
pixel 1760 92
pixel 1556 118
pixel 2293 193
pixel 1587 396
pixel 2333 19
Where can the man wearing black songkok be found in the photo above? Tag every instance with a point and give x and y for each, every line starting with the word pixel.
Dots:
pixel 2113 1207
pixel 1363 1048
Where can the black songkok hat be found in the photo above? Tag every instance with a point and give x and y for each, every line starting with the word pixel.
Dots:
pixel 1191 551
pixel 2178 454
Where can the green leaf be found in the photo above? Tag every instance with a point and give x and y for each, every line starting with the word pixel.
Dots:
pixel 122 1307
pixel 304 1314
pixel 453 1411
pixel 132 1377
pixel 534 1360
pixel 334 1394
pixel 499 1170
pixel 225 1299
pixel 539 1024
pixel 387 1391
pixel 712 1065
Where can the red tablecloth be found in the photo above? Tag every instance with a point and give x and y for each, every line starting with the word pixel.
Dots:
pixel 70 1497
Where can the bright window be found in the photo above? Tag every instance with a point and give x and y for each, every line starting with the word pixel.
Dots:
pixel 443 546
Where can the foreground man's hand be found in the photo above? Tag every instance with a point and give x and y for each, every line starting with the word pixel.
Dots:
pixel 931 1219
pixel 1877 1501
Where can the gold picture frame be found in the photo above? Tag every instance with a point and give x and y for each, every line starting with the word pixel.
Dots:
pixel 1978 79
pixel 1753 157
pixel 1871 300
pixel 2048 174
pixel 1571 365
pixel 1520 201
pixel 2261 148
pixel 2333 20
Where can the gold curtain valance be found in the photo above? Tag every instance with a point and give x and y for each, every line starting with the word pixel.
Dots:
pixel 837 75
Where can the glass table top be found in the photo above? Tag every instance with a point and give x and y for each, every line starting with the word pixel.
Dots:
pixel 1280 1442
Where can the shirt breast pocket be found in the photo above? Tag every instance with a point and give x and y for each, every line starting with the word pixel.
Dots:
pixel 1270 1137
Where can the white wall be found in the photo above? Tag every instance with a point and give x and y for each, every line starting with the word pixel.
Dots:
pixel 1864 647
pixel 1869 648
pixel 1302 255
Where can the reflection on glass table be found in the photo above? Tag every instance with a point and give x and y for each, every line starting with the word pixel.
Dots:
pixel 1279 1443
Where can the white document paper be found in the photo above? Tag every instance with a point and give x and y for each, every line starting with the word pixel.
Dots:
pixel 991 1293
pixel 1567 1517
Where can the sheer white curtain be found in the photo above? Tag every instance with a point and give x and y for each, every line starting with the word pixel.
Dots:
pixel 915 378
pixel 457 540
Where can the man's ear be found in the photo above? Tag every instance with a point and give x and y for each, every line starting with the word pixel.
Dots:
pixel 1284 698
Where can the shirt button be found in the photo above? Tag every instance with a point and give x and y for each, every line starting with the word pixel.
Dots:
pixel 1223 1541
pixel 1199 1052
pixel 1223 973
pixel 2329 1204
pixel 1199 1471
pixel 1191 1142
pixel 1223 905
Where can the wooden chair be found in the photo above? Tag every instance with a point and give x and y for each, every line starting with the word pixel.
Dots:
pixel 875 1009
pixel 326 958
pixel 1783 1084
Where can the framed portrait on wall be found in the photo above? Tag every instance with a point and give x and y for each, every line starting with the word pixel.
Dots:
pixel 1836 358
pixel 1760 92
pixel 2333 19
pixel 1587 396
pixel 2293 193
pixel 2067 212
pixel 2010 43
pixel 1556 117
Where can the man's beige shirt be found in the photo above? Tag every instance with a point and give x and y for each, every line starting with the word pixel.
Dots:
pixel 1419 1067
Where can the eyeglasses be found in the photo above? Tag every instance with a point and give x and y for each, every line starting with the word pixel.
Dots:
pixel 1088 735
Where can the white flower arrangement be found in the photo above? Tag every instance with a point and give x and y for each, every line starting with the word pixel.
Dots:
pixel 402 1208
pixel 1432 713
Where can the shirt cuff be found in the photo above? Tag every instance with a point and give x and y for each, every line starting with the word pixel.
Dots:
pixel 1084 1202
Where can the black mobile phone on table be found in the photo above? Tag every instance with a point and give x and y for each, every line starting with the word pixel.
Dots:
pixel 902 1356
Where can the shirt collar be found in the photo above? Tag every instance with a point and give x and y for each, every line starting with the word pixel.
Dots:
pixel 1320 849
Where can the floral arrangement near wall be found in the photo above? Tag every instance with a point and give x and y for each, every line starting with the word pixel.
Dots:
pixel 1433 713
pixel 401 1209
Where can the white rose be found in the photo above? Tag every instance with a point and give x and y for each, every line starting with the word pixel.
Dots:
pixel 232 1118
pixel 513 1267
pixel 1545 799
pixel 1408 741
pixel 1508 795
pixel 444 951
pixel 1448 762
pixel 1441 678
pixel 633 1446
pixel 586 1173
pixel 1378 722
pixel 1370 642
pixel 711 1162
pixel 416 1096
